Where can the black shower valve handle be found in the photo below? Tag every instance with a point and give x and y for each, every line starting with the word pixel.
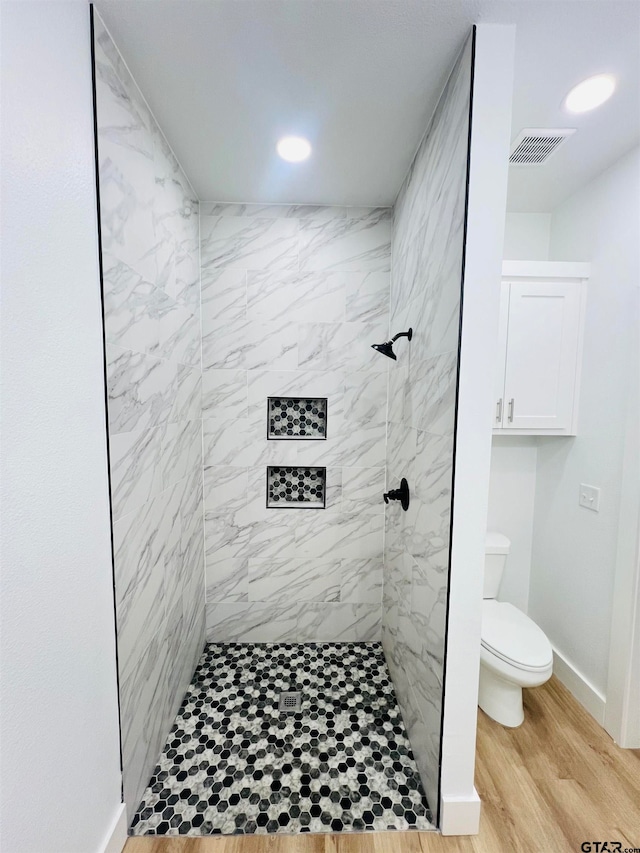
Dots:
pixel 401 494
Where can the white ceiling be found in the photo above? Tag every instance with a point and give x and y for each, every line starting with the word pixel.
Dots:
pixel 360 79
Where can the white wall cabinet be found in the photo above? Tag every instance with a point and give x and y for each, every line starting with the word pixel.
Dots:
pixel 540 347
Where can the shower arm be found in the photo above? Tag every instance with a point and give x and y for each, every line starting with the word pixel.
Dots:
pixel 408 334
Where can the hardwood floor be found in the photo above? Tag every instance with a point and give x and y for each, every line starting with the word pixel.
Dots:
pixel 546 787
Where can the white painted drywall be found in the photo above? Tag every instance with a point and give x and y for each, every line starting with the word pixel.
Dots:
pixel 513 458
pixel 526 236
pixel 491 118
pixel 512 490
pixel 574 549
pixel 60 747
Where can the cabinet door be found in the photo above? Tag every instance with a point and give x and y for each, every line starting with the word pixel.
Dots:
pixel 542 349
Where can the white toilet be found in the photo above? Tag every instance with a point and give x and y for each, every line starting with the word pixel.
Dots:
pixel 515 653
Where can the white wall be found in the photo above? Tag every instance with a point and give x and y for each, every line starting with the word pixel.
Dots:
pixel 490 135
pixel 574 549
pixel 60 747
pixel 512 490
pixel 526 236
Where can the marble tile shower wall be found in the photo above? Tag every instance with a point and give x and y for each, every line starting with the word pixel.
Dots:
pixel 149 219
pixel 292 299
pixel 428 246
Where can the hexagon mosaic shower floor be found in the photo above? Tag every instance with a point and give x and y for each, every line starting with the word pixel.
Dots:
pixel 234 764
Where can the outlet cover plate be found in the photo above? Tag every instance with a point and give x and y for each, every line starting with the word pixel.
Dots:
pixel 589 497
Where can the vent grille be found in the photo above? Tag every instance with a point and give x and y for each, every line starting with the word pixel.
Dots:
pixel 534 146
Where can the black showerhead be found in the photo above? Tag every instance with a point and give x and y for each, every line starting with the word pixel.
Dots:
pixel 387 347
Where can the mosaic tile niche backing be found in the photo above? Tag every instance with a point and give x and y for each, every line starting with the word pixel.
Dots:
pixel 297 417
pixel 296 487
pixel 233 764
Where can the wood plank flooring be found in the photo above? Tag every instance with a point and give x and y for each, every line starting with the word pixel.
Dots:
pixel 546 787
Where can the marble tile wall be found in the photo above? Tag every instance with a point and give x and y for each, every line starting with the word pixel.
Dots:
pixel 149 224
pixel 428 245
pixel 292 299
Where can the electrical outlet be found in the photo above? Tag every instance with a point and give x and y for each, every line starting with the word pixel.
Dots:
pixel 589 497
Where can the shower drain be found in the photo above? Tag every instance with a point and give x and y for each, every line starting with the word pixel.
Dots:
pixel 290 702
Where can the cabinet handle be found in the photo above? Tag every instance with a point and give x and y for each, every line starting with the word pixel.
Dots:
pixel 499 411
pixel 511 401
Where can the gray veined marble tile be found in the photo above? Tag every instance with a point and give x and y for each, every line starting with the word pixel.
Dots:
pixel 430 398
pixel 181 451
pixel 274 211
pixel 401 452
pixel 126 217
pixel 361 581
pixel 225 442
pixel 225 487
pixel 251 345
pixel 131 308
pixel 267 382
pixel 136 471
pixel 224 298
pixel 248 243
pixel 227 581
pixel 179 334
pixel 226 537
pixel 310 622
pixel 373 214
pixel 224 393
pixel 139 580
pixel 331 346
pixel 367 297
pixel 434 464
pixel 143 700
pixel 365 397
pixel 126 93
pixel 187 273
pixel 294 580
pixel 363 489
pixel 297 296
pixel 351 244
pixel 362 446
pixel 187 400
pixel 321 535
pixel 141 390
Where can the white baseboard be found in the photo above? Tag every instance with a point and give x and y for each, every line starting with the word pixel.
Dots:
pixel 587 695
pixel 460 816
pixel 116 837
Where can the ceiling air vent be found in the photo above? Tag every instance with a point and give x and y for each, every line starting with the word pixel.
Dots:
pixel 534 146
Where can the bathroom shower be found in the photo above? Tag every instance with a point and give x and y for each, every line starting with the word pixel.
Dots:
pixel 387 347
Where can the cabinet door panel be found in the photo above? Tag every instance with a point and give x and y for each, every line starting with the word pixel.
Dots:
pixel 542 345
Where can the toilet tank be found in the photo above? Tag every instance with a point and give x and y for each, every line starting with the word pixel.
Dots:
pixel 495 556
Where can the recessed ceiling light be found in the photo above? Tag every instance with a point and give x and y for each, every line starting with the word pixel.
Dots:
pixel 590 93
pixel 294 149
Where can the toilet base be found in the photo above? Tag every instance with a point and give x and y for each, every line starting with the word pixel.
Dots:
pixel 499 699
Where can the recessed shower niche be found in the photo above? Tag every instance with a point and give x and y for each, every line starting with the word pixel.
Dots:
pixel 296 487
pixel 297 418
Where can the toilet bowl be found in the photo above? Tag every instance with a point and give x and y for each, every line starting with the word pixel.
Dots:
pixel 514 652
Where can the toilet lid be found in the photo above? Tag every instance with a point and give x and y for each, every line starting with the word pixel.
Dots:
pixel 512 636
